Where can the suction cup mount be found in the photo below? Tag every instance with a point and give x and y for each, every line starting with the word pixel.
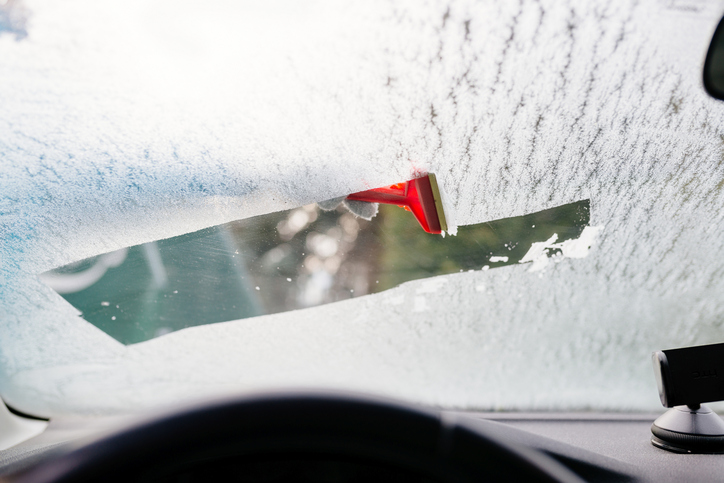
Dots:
pixel 687 378
pixel 683 429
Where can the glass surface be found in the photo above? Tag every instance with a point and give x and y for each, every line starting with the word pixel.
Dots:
pixel 119 129
pixel 286 261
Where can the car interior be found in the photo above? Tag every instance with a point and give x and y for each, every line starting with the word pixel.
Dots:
pixel 445 241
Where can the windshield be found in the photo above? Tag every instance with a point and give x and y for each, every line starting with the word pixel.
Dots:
pixel 165 167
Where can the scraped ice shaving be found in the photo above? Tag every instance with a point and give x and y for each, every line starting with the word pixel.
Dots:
pixel 579 247
pixel 540 252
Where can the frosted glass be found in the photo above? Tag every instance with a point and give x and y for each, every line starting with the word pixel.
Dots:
pixel 123 123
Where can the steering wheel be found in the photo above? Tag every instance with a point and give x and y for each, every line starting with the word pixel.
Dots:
pixel 309 436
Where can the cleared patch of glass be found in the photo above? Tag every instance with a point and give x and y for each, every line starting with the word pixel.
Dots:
pixel 291 260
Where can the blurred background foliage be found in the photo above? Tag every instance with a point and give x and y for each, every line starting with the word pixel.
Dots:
pixel 408 256
pixel 288 260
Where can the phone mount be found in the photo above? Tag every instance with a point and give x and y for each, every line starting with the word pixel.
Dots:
pixel 687 378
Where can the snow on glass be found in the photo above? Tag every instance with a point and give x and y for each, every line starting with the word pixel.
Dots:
pixel 119 130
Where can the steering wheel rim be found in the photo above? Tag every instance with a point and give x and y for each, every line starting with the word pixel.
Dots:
pixel 371 429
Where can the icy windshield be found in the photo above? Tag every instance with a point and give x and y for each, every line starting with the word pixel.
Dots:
pixel 143 144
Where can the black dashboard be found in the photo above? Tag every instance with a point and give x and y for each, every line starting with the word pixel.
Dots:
pixel 596 447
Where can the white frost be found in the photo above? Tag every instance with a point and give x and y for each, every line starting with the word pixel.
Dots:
pixel 432 285
pixel 420 304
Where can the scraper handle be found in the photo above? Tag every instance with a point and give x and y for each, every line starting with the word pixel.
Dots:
pixel 416 195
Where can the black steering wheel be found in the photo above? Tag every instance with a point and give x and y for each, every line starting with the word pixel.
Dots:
pixel 325 437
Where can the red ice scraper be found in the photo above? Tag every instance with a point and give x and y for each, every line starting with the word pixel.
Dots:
pixel 421 196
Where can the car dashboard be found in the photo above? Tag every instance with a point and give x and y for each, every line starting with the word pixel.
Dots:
pixel 597 447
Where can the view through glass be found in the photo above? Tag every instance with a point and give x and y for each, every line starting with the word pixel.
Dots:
pixel 290 260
